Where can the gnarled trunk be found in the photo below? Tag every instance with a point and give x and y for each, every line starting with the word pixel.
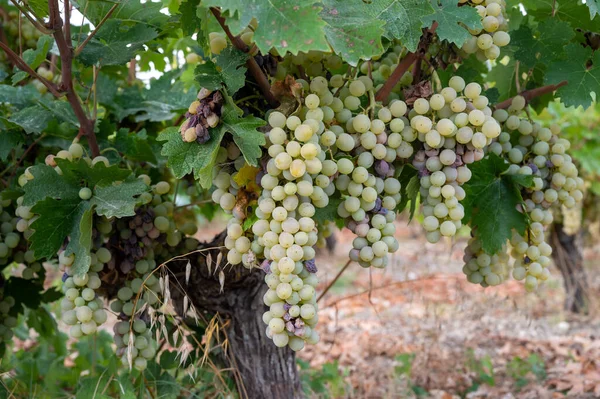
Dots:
pixel 265 371
pixel 568 257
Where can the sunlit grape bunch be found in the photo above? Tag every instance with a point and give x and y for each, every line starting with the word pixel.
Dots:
pixel 486 43
pixel 455 126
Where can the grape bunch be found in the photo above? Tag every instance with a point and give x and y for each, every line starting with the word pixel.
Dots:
pixel 202 114
pixel 455 126
pixel 536 151
pixel 7 321
pixel 82 308
pixel 486 43
pixel 312 64
pixel 135 344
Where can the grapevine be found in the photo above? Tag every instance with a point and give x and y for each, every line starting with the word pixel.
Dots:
pixel 285 132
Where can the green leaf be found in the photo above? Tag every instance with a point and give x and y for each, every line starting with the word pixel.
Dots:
pixel 409 188
pixel 245 133
pixel 228 72
pixel 80 238
pixel 572 11
pixel 116 43
pixel 39 7
pixel 41 320
pixel 582 81
pixel 34 57
pixel 19 96
pixel 118 199
pixel 353 33
pixel 452 20
pixel 503 77
pixel 9 140
pixel 147 13
pixel 32 119
pixel 184 158
pixel 594 6
pixel 47 183
pixel 58 219
pixel 546 45
pixel 283 25
pixel 189 19
pixel 135 146
pixel 403 19
pixel 328 213
pixel 29 293
pixel 491 202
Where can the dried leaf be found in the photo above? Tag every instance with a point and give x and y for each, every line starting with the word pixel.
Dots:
pixel 188 271
pixel 222 279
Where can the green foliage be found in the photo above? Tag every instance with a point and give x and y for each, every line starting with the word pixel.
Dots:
pixel 583 80
pixel 491 202
pixel 403 19
pixel 291 27
pixel 352 33
pixel 520 369
pixel 483 370
pixel 452 20
pixel 228 72
pixel 327 382
pixel 545 46
pixel 34 57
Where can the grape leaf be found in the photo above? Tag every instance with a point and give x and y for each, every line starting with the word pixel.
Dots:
pixel 409 188
pixel 283 25
pixel 546 45
pixel 34 57
pixel 582 80
pixel 503 77
pixel 572 11
pixel 118 199
pixel 116 43
pixel 184 158
pixel 19 96
pixel 9 140
pixel 135 146
pixel 594 6
pixel 351 31
pixel 403 19
pixel 453 21
pixel 57 220
pixel 246 137
pixel 39 7
pixel 328 213
pixel 80 238
pixel 189 19
pixel 47 183
pixel 229 71
pixel 135 11
pixel 491 202
pixel 32 119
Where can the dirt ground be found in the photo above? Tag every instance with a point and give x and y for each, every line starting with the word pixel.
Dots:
pixel 456 338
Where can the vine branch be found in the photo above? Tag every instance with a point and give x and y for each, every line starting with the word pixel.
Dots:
pixel 65 49
pixel 385 90
pixel 22 65
pixel 334 280
pixel 253 67
pixel 533 93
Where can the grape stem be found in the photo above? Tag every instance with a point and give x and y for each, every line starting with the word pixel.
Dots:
pixel 34 21
pixel 533 93
pixel 65 49
pixel 385 90
pixel 334 280
pixel 251 64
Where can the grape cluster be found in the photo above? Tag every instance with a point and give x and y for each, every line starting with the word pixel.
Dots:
pixel 311 64
pixel 484 269
pixel 14 222
pixel 454 126
pixel 82 308
pixel 135 345
pixel 202 114
pixel 539 152
pixel 7 320
pixel 486 43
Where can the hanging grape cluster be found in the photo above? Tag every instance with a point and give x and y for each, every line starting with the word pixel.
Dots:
pixel 486 43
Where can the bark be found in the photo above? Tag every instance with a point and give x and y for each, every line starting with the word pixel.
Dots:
pixel 265 371
pixel 568 257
